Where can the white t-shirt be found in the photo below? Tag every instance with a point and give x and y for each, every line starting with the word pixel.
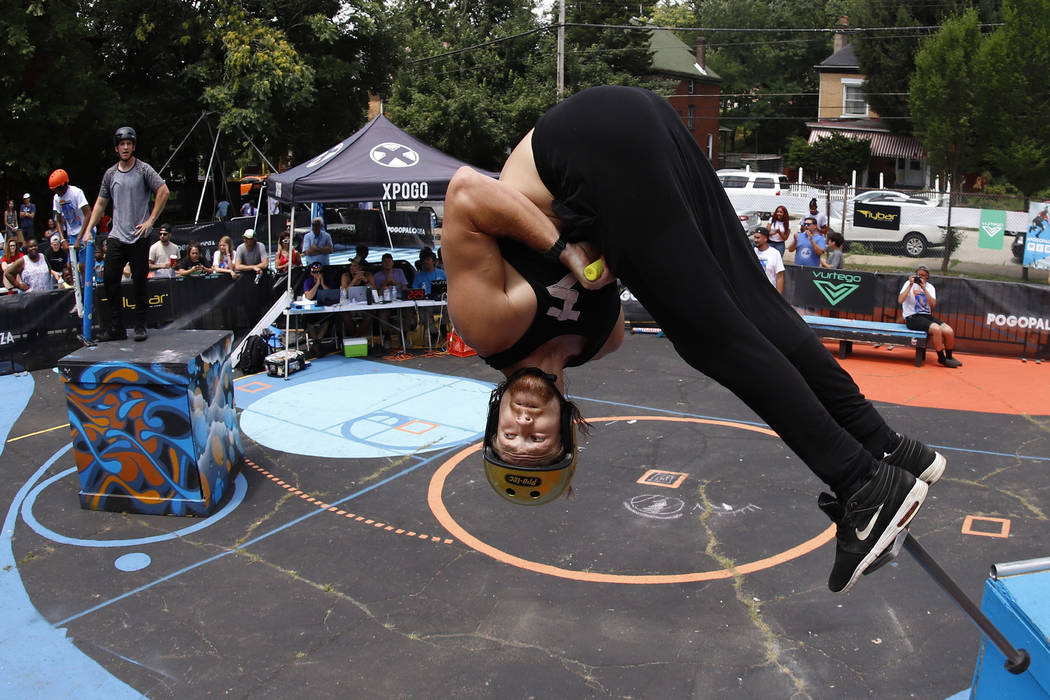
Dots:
pixel 821 217
pixel 778 231
pixel 917 302
pixel 71 207
pixel 160 254
pixel 772 263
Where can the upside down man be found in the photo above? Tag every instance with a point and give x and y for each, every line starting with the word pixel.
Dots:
pixel 612 172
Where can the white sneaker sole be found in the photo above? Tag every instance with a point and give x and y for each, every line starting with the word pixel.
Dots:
pixel 909 507
pixel 932 474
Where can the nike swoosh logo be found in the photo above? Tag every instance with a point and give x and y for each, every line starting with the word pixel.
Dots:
pixel 863 534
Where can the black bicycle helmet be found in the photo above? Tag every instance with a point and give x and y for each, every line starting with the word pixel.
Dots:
pixel 124 132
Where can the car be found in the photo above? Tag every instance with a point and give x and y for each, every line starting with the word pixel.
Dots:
pixel 893 197
pixel 1017 247
pixel 751 219
pixel 733 181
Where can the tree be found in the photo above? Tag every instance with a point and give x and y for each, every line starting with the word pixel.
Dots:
pixel 477 76
pixel 53 93
pixel 768 78
pixel 887 59
pixel 830 159
pixel 943 101
pixel 1014 114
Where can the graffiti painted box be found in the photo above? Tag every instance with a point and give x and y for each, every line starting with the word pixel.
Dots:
pixel 153 424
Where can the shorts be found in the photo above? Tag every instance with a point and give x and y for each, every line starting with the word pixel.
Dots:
pixel 921 322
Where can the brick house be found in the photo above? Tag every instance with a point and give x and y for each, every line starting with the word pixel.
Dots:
pixel 699 89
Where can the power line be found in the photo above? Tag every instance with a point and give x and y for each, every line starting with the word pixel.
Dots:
pixel 648 28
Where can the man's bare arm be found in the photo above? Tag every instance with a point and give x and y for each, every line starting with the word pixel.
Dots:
pixel 96 215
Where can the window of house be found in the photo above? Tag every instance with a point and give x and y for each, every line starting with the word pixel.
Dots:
pixel 853 102
pixel 692 87
pixel 691 118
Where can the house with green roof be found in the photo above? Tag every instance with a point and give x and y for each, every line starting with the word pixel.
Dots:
pixel 698 91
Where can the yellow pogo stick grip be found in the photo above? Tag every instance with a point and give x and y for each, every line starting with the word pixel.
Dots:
pixel 594 270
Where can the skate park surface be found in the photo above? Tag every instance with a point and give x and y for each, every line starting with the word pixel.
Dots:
pixel 363 554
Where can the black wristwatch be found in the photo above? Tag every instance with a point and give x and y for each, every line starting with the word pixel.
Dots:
pixel 554 252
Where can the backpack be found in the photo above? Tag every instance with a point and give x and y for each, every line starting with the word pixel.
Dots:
pixel 253 356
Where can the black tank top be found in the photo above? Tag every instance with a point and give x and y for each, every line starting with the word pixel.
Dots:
pixel 563 307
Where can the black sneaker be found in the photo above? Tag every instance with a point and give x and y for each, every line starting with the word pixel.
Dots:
pixel 872 519
pixel 949 362
pixel 140 334
pixel 117 333
pixel 848 549
pixel 917 459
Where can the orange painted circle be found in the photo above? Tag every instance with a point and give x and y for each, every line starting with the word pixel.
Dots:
pixel 437 507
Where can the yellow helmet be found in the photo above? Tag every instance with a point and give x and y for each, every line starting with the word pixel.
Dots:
pixel 530 485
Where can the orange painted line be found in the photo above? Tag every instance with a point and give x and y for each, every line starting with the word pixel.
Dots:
pixel 404 427
pixel 1004 526
pixel 437 507
pixel 410 533
pixel 326 506
pixel 258 386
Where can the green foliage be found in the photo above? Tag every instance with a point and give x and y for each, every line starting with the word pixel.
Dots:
pixel 829 159
pixel 943 99
pixel 53 93
pixel 943 93
pixel 1014 115
pixel 292 75
pixel 770 75
pixel 887 58
pixel 476 104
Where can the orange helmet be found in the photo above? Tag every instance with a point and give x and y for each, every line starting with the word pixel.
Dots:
pixel 58 178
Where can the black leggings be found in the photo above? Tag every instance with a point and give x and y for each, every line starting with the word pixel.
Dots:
pixel 119 254
pixel 627 174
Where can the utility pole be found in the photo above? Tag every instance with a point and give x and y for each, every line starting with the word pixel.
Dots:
pixel 561 49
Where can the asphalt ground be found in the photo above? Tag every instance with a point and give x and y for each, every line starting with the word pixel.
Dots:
pixel 365 556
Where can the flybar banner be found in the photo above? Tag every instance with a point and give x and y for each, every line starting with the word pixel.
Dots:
pixel 877 216
pixel 843 290
pixel 991 229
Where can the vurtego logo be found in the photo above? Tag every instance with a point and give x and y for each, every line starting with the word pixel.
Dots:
pixel 833 292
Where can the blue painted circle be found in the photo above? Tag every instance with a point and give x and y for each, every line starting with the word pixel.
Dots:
pixel 367 415
pixel 240 488
pixel 134 561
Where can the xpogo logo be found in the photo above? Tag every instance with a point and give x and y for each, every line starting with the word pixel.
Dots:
pixel 394 155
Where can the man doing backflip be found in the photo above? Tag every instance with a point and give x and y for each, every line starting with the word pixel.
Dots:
pixel 128 183
pixel 612 171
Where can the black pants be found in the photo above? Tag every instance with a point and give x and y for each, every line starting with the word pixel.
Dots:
pixel 626 173
pixel 119 254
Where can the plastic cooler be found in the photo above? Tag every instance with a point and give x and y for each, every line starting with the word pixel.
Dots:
pixel 355 347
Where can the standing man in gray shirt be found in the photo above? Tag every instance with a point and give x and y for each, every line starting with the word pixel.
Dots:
pixel 129 184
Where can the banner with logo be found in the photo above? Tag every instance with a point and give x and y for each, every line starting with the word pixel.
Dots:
pixel 842 290
pixel 1037 237
pixel 992 228
pixel 877 216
